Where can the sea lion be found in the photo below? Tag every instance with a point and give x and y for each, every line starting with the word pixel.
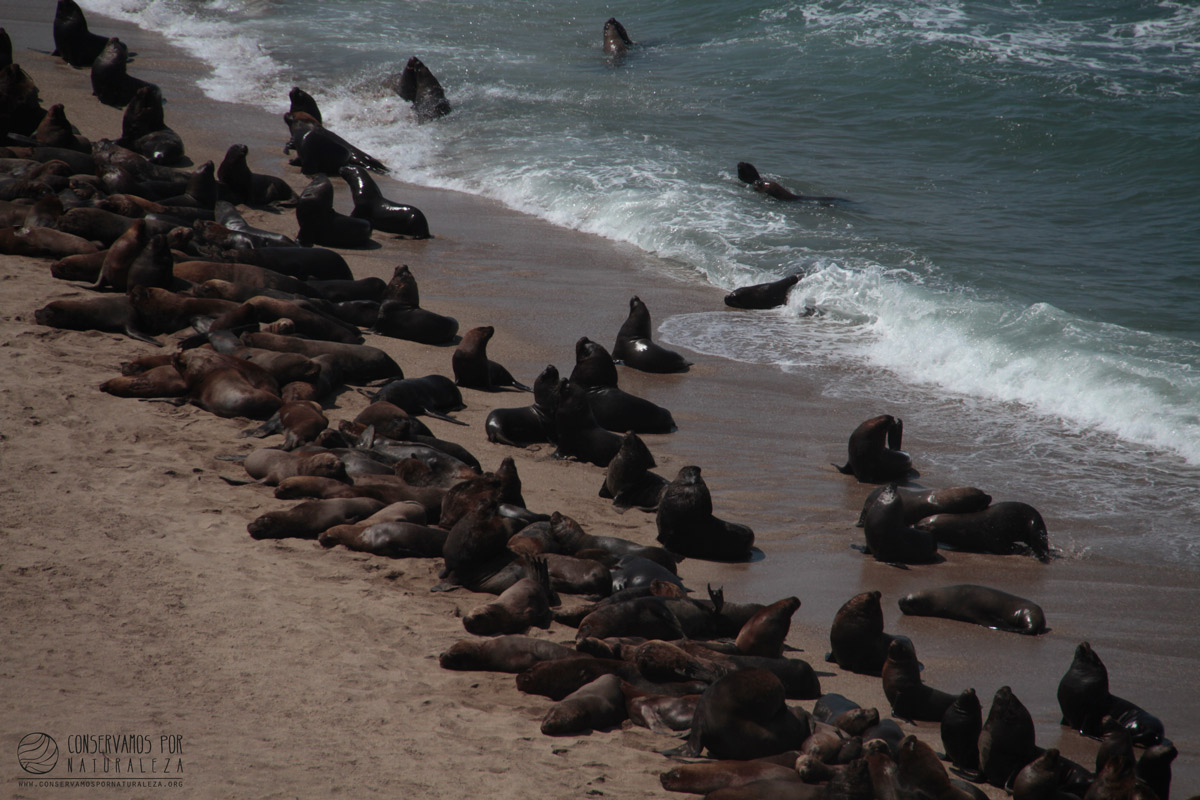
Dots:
pixel 111 84
pixel 960 729
pixel 112 314
pixel 875 454
pixel 227 386
pixel 43 243
pixel 474 370
pixel 910 698
pixel 246 275
pixel 240 185
pixel 764 633
pixel 418 85
pixel 661 713
pixel 301 100
pixel 144 130
pixel 600 705
pixel 921 503
pixel 743 716
pixel 73 42
pixel 310 519
pixel 20 106
pixel 844 714
pixel 394 539
pixel 383 214
pixel 521 606
pixel 616 40
pixel 225 213
pixel 615 409
pixel 889 539
pixel 270 466
pixel 433 395
pixel 513 654
pixel 980 605
pixel 629 481
pixel 1001 528
pixel 648 617
pixel 686 524
pixel 920 769
pixel 576 433
pixel 302 263
pixel 748 174
pixel 300 422
pixel 163 311
pixel 56 131
pixel 762 295
pixel 1007 742
pixel 163 381
pixel 1038 780
pixel 634 347
pixel 401 315
pixel 320 224
pixel 1154 768
pixel 534 424
pixel 320 150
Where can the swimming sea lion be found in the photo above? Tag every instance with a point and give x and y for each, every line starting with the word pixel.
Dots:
pixel 252 188
pixel 889 539
pixel 111 84
pixel 1001 528
pixel 634 347
pixel 383 214
pixel 616 40
pixel 909 696
pixel 748 174
pixel 762 295
pixel 320 224
pixel 981 605
pixel 73 42
pixel 418 85
pixel 686 524
pixel 875 454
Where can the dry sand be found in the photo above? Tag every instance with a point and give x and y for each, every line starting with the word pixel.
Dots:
pixel 136 603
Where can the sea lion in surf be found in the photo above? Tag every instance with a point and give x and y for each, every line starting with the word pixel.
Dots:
pixel 875 454
pixel 321 224
pixel 474 370
pixel 320 150
pixel 686 524
pixel 240 185
pixel 910 698
pixel 748 174
pixel 921 503
pixel 417 84
pixel 762 295
pixel 111 83
pixel 616 41
pixel 302 101
pixel 383 214
pixel 980 605
pixel 1001 528
pixel 73 42
pixel 634 347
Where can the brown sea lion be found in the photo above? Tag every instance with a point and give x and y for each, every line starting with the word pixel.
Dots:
pixel 980 605
pixel 1007 742
pixel 396 539
pixel 56 131
pixel 710 776
pixel 634 347
pixel 765 632
pixel 312 518
pixel 474 370
pixel 600 705
pixel 359 363
pixel 270 466
pixel 164 381
pixel 909 696
pixel 744 716
pixel 1001 528
pixel 686 524
pixel 513 654
pixel 112 314
pixel 521 606
pixel 300 422
pixel 163 311
pixel 616 40
pixel 660 713
pixel 43 243
pixel 227 386
pixel 875 454
pixel 648 617
pixel 856 638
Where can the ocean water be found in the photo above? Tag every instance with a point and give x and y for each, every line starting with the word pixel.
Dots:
pixel 1017 256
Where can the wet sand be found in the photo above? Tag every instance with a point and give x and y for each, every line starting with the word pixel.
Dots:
pixel 137 602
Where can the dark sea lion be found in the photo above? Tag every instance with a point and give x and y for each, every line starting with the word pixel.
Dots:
pixel 686 524
pixel 1038 780
pixel 474 370
pixel 56 131
pixel 648 617
pixel 875 454
pixel 1007 742
pixel 299 262
pixel 243 186
pixel 6 56
pixel 632 571
pixel 765 632
pixel 1154 768
pixel 401 315
pixel 144 130
pixel 320 224
pixel 534 424
pixel 1001 528
pixel 889 539
pixel 980 605
pixel 614 408
pixel 634 347
pixel 960 728
pixel 73 42
pixel 111 83
pixel 225 213
pixel 762 295
pixel 112 314
pixel 1145 729
pixel 748 174
pixel 395 539
pixel 576 432
pixel 920 770
pixel 909 697
pixel 744 716
pixel 369 288
pixel 310 519
pixel 521 606
pixel 43 243
pixel 383 214
pixel 320 150
pixel 302 101
pixel 433 395
pixel 246 275
pixel 20 105
pixel 921 503
pixel 616 40
pixel 163 311
pixel 600 705
pixel 513 654
pixel 844 714
pixel 417 85
pixel 629 481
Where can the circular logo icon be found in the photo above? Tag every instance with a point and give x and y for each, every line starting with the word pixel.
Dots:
pixel 37 753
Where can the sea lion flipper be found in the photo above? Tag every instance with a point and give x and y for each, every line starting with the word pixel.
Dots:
pixel 846 470
pixel 444 417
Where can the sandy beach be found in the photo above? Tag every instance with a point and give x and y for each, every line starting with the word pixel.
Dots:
pixel 136 603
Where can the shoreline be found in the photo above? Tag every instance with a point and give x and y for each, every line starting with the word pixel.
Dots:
pixel 479 268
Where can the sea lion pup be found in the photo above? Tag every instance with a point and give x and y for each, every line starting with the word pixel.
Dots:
pixel 240 185
pixel 312 518
pixel 600 705
pixel 417 85
pixel 844 714
pixel 743 716
pixel 960 729
pixel 73 42
pixel 320 150
pixel 1007 742
pixel 513 654
pixel 634 347
pixel 910 698
pixel 111 314
pixel 401 316
pixel 433 395
pixel 55 131
pixel 616 40
pixel 383 214
pixel 921 503
pixel 1001 528
pixel 474 370
pixel 111 84
pixel 661 713
pixel 144 130
pixel 762 295
pixel 875 454
pixel 320 224
pixel 686 524
pixel 302 101
pixel 764 633
pixel 629 481
pixel 614 408
pixel 576 432
pixel 980 605
pixel 889 539
pixel 748 174
pixel 521 427
pixel 300 422
pixel 521 606
pixel 395 539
